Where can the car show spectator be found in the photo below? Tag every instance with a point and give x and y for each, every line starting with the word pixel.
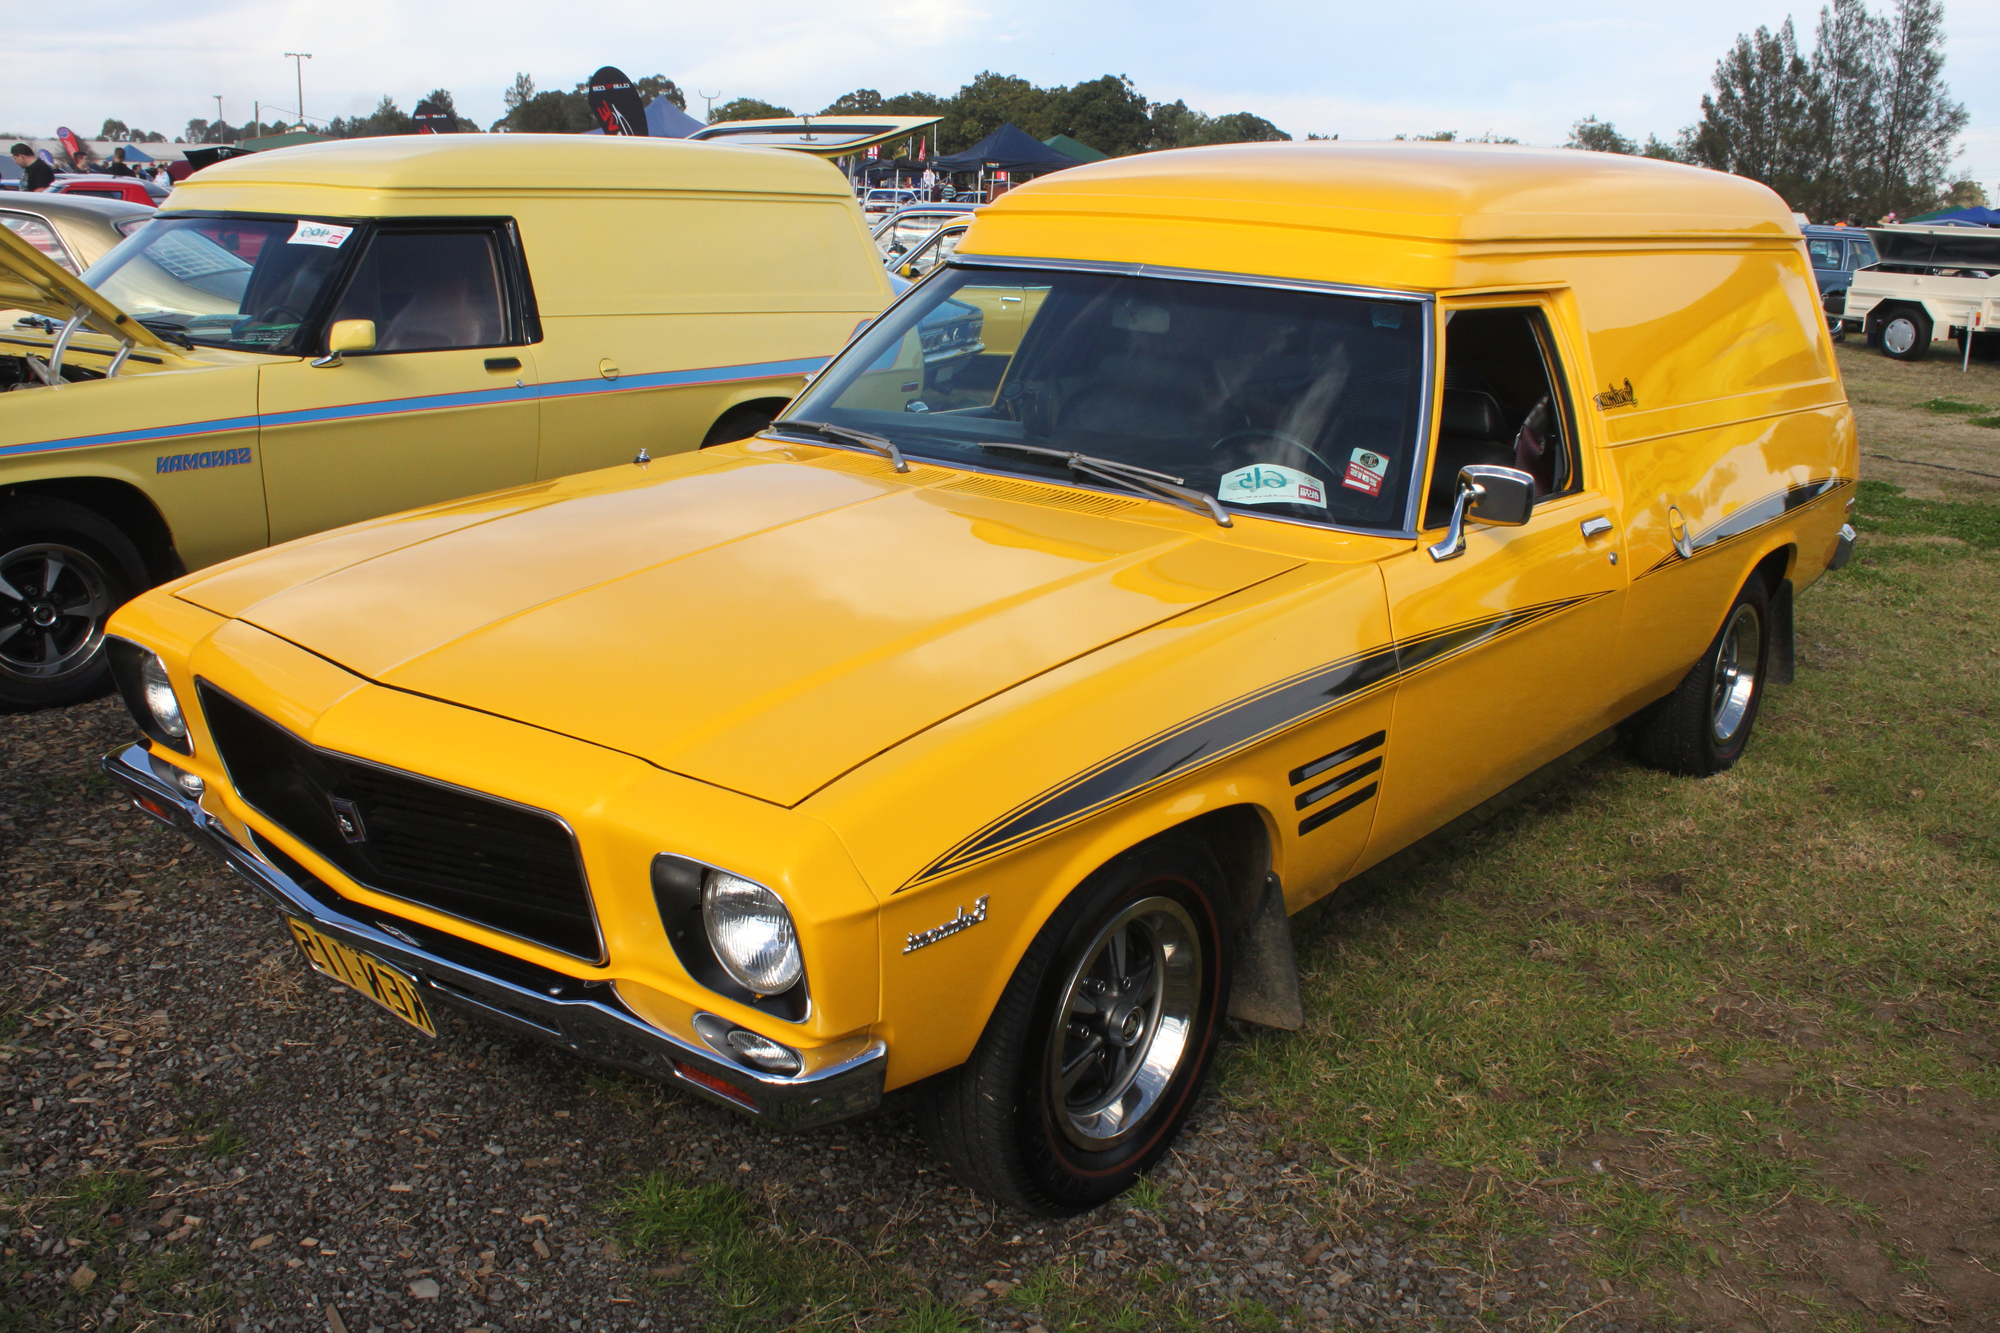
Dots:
pixel 35 173
pixel 118 166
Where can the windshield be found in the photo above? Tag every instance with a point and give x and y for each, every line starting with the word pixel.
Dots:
pixel 243 283
pixel 1293 404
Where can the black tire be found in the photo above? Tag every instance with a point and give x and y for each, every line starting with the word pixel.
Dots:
pixel 53 649
pixel 741 422
pixel 1702 727
pixel 1905 334
pixel 1002 1121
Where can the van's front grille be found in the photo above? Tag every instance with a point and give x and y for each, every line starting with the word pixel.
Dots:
pixel 489 861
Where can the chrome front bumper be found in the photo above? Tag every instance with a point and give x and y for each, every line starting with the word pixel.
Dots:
pixel 586 1017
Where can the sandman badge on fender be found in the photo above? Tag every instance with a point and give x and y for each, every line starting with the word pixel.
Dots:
pixel 963 921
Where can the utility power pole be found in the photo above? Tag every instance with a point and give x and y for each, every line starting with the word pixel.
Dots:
pixel 710 99
pixel 218 116
pixel 298 59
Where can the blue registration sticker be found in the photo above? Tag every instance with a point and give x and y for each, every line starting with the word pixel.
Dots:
pixel 196 462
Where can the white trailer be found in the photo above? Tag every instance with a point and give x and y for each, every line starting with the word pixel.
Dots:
pixel 1929 284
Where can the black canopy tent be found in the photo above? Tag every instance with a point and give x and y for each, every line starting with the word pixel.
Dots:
pixel 1008 148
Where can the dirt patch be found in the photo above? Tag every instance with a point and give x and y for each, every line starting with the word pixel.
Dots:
pixel 1931 455
pixel 1912 1234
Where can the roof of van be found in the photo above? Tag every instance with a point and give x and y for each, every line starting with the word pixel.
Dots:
pixel 1433 191
pixel 502 162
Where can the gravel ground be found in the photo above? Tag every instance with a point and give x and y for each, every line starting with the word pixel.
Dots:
pixel 198 1132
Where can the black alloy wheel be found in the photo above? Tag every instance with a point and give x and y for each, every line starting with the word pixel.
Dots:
pixel 1704 725
pixel 1100 1045
pixel 63 571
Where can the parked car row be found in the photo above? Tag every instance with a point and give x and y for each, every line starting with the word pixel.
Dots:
pixel 972 724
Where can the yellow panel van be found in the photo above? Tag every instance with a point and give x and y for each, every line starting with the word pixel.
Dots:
pixel 312 336
pixel 976 731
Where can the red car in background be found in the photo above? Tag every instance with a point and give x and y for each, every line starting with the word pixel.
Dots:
pixel 129 188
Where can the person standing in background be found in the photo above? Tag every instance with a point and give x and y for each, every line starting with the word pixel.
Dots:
pixel 118 166
pixel 35 173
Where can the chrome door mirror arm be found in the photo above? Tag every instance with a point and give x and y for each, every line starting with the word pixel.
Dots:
pixel 1453 544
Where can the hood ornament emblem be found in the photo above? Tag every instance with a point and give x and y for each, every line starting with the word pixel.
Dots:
pixel 920 939
pixel 347 815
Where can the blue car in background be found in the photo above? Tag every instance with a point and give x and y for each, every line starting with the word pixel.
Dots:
pixel 1835 253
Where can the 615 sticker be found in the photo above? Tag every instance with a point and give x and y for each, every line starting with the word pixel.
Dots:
pixel 1366 471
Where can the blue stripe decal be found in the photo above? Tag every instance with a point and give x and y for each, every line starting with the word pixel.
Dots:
pixel 668 379
pixel 392 406
pixel 218 427
pixel 435 402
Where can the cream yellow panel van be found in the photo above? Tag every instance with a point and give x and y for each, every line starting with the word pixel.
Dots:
pixel 1002 699
pixel 313 336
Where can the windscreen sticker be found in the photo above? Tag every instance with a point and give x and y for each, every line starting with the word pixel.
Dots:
pixel 1366 471
pixel 1269 484
pixel 320 233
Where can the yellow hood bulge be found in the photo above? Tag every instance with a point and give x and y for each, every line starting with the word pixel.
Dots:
pixel 781 624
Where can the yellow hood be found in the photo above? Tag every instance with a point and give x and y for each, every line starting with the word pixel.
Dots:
pixel 761 625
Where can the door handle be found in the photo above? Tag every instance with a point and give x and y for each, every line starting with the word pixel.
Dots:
pixel 1596 527
pixel 503 363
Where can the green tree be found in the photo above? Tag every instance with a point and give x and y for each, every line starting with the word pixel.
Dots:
pixel 1764 118
pixel 914 104
pixel 659 85
pixel 1863 127
pixel 116 131
pixel 1662 151
pixel 988 102
pixel 747 108
pixel 1965 194
pixel 1107 113
pixel 860 102
pixel 1599 136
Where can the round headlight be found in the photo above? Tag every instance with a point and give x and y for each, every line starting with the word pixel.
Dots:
pixel 160 698
pixel 751 933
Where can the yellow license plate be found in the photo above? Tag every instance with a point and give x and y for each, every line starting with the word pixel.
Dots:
pixel 394 990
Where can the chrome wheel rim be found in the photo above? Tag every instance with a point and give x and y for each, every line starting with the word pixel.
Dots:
pixel 54 601
pixel 1899 335
pixel 1735 674
pixel 1125 1025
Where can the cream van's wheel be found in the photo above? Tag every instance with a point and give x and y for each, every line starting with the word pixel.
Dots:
pixel 63 571
pixel 1702 727
pixel 1094 1056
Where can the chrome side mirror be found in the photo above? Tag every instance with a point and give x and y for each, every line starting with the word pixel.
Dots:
pixel 1501 496
pixel 347 335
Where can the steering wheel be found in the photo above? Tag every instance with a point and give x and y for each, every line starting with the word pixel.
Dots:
pixel 1332 474
pixel 270 316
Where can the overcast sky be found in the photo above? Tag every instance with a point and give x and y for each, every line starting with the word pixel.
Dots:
pixel 1362 71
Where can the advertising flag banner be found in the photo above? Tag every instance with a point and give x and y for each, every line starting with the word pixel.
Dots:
pixel 615 103
pixel 430 120
pixel 70 145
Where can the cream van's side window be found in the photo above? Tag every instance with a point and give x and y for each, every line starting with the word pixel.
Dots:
pixel 434 289
pixel 1505 402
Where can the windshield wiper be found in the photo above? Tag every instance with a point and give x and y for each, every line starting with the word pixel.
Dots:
pixel 1133 477
pixel 885 447
pixel 169 332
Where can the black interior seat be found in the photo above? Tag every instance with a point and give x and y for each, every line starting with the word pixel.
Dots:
pixel 1472 428
pixel 1160 397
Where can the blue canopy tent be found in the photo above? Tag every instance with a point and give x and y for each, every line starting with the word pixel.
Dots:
pixel 664 120
pixel 1960 217
pixel 1008 148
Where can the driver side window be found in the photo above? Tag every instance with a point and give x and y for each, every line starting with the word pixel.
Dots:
pixel 1504 403
pixel 429 291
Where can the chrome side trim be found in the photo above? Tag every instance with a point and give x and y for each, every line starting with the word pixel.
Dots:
pixel 839 1080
